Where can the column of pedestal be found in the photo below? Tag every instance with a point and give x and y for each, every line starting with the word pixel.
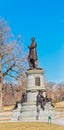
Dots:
pixel 32 88
pixel 29 109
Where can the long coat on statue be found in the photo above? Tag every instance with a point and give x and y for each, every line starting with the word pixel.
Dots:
pixel 33 52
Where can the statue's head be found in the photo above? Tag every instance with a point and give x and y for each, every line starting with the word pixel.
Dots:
pixel 33 39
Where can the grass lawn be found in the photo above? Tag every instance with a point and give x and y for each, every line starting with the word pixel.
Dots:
pixel 29 126
pixel 8 108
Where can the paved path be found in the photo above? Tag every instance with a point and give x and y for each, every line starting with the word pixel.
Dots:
pixel 58 121
pixel 7 115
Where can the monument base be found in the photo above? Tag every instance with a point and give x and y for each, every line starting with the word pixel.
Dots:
pixel 29 112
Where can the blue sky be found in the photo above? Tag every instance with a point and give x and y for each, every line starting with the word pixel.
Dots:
pixel 43 19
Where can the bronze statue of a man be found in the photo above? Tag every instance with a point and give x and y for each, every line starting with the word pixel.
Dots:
pixel 32 57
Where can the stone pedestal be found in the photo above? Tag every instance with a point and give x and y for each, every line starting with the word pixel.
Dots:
pixel 35 82
pixel 28 112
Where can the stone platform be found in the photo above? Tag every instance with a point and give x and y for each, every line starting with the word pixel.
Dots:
pixel 29 112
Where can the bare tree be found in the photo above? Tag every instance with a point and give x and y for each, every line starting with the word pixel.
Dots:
pixel 12 57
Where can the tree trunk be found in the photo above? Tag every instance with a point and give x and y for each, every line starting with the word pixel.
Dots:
pixel 1 106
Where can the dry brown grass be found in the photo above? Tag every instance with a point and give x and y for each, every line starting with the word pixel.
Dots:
pixel 59 107
pixel 59 104
pixel 29 126
pixel 8 108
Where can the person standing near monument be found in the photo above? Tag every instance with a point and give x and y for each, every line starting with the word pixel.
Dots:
pixel 32 57
pixel 49 119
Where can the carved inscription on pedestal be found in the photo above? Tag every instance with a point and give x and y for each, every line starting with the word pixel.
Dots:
pixel 37 81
